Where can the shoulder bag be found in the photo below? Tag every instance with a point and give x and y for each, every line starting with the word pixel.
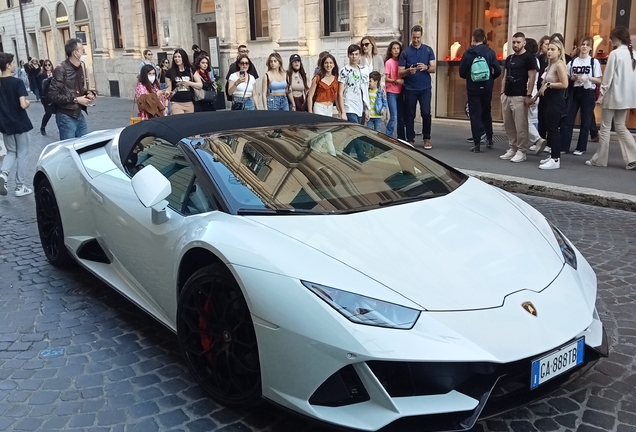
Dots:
pixel 238 106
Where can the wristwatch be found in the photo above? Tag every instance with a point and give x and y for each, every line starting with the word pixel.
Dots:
pixel 75 100
pixel 548 85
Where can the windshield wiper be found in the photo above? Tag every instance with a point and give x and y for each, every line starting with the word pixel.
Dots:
pixel 403 200
pixel 268 211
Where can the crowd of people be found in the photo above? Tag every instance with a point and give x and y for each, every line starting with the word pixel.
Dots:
pixel 544 89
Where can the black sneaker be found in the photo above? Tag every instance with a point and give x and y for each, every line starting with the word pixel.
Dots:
pixel 476 148
pixel 43 131
pixel 489 143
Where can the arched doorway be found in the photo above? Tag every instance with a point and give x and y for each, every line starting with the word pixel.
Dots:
pixel 204 18
pixel 82 32
pixel 47 36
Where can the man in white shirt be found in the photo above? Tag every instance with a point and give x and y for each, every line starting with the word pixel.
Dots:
pixel 354 90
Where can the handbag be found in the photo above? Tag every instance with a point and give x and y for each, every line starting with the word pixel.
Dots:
pixel 206 95
pixel 134 119
pixel 238 106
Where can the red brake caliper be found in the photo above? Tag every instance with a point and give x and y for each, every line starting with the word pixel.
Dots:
pixel 207 340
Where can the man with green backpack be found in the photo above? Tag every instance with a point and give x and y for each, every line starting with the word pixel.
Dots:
pixel 479 67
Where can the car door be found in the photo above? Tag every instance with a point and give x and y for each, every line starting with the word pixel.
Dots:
pixel 145 252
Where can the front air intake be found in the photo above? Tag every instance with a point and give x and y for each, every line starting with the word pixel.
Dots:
pixel 342 388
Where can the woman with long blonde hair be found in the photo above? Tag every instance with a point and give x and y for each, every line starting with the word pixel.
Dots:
pixel 553 93
pixel 275 85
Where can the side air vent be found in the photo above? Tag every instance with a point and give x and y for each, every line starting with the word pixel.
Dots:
pixel 91 250
pixel 342 388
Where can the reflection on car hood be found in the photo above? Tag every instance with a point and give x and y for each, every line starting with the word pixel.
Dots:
pixel 466 250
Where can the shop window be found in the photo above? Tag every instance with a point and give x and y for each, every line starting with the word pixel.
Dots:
pixel 206 6
pixel 259 19
pixel 457 20
pixel 150 9
pixel 337 16
pixel 116 24
pixel 597 18
pixel 44 18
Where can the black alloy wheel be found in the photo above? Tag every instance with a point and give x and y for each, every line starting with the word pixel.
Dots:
pixel 217 337
pixel 50 225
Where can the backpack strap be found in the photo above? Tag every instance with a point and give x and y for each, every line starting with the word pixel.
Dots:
pixel 592 65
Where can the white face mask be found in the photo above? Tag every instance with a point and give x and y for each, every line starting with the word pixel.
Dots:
pixel 151 78
pixel 83 58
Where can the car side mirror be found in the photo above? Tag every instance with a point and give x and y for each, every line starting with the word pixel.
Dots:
pixel 152 189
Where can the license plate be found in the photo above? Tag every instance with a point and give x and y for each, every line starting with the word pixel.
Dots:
pixel 557 362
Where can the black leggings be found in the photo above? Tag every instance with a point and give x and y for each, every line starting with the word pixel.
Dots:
pixel 553 109
pixel 48 112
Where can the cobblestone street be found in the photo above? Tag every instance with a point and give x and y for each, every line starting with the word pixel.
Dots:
pixel 75 355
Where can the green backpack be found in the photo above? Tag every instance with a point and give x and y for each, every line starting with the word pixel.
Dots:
pixel 479 70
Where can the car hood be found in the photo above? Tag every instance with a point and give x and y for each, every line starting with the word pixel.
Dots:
pixel 463 251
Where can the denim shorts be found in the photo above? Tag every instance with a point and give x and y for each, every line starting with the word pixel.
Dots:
pixel 277 103
pixel 248 103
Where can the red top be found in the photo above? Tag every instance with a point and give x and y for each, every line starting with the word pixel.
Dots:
pixel 324 92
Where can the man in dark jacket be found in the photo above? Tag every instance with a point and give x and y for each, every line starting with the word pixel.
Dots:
pixel 480 91
pixel 68 93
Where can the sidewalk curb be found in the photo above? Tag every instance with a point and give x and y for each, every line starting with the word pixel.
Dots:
pixel 581 195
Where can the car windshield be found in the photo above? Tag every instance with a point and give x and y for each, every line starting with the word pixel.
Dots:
pixel 317 169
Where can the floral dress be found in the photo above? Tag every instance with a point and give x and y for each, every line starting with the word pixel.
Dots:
pixel 142 90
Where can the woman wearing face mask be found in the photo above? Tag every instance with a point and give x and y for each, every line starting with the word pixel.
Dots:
pixel 47 72
pixel 202 65
pixel 180 81
pixel 617 98
pixel 150 99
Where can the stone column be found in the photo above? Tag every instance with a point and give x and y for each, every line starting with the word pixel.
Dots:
pixel 292 29
pixel 381 23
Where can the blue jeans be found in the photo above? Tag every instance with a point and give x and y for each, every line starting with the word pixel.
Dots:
pixel 356 144
pixel 248 103
pixel 411 98
pixel 70 127
pixel 396 115
pixel 375 123
pixel 277 103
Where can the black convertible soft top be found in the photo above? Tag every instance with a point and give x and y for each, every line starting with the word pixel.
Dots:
pixel 174 128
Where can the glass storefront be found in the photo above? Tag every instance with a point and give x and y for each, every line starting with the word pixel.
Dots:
pixel 597 18
pixel 457 19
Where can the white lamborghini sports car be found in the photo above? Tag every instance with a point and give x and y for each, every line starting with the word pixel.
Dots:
pixel 325 267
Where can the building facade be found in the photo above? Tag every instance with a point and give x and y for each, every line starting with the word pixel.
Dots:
pixel 117 31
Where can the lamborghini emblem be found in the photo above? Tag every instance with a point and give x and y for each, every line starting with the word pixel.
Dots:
pixel 529 307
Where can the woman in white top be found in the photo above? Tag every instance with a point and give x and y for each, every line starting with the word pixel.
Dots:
pixel 585 72
pixel 242 84
pixel 617 98
pixel 370 58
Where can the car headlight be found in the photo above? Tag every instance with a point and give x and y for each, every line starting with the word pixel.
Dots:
pixel 566 248
pixel 366 310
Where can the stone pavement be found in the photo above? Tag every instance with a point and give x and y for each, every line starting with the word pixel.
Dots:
pixel 75 355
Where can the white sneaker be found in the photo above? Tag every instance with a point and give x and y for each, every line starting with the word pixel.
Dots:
pixel 547 149
pixel 508 155
pixel 578 152
pixel 22 191
pixel 532 148
pixel 518 157
pixel 542 161
pixel 551 164
pixel 3 182
pixel 541 145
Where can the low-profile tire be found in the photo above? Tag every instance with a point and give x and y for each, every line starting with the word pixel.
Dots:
pixel 50 225
pixel 217 337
